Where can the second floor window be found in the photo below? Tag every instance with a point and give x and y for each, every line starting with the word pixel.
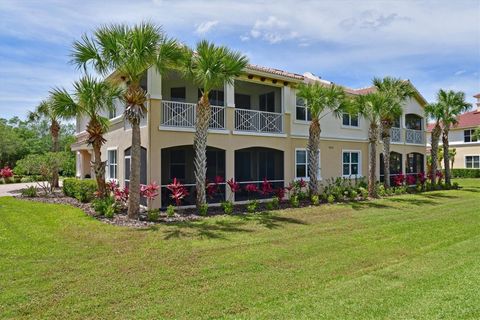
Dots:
pixel 302 112
pixel 267 102
pixel 349 120
pixel 469 135
pixel 216 97
pixel 178 94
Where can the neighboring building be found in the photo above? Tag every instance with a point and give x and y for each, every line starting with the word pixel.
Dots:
pixel 259 129
pixel 462 139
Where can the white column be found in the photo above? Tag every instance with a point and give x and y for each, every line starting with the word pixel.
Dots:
pixel 229 95
pixel 154 83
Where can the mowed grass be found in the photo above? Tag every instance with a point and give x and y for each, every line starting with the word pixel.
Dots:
pixel 405 257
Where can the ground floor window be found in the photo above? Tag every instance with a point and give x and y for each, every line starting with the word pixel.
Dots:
pixel 395 166
pixel 351 163
pixel 472 162
pixel 253 165
pixel 301 164
pixel 177 162
pixel 415 163
pixel 112 163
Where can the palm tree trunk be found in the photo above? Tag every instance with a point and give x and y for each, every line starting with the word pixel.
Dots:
pixel 372 164
pixel 55 131
pixel 134 185
pixel 446 160
pixel 386 152
pixel 200 148
pixel 434 152
pixel 313 147
pixel 99 168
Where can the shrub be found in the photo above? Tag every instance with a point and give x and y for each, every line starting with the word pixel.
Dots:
pixel 227 207
pixel 363 192
pixel 252 206
pixel 388 191
pixel 85 190
pixel 30 192
pixel 275 202
pixel 69 186
pixel 6 173
pixel 152 215
pixel 331 199
pixel 170 211
pixel 294 201
pixel 315 200
pixel 178 191
pixel 465 173
pixel 455 185
pixel 104 206
pixel 398 191
pixel 381 190
pixel 203 210
pixel 353 195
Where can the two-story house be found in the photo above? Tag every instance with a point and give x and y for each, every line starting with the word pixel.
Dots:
pixel 462 139
pixel 258 129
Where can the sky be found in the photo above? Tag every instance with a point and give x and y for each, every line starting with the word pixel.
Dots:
pixel 435 44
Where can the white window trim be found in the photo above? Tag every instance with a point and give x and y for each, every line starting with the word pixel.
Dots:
pixel 360 174
pixel 124 158
pixel 303 121
pixel 472 131
pixel 116 165
pixel 470 155
pixel 350 126
pixel 319 165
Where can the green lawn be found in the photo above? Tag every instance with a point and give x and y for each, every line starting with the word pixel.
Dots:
pixel 406 257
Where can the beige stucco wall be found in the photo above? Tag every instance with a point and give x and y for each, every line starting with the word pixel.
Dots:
pixel 462 151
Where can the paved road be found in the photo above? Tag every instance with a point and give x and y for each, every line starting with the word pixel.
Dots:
pixel 14 188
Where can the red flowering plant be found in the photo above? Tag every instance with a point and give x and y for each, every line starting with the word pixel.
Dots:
pixel 251 189
pixel 6 173
pixel 439 176
pixel 179 192
pixel 422 178
pixel 266 188
pixel 297 188
pixel 149 191
pixel 213 188
pixel 398 180
pixel 411 179
pixel 280 193
pixel 234 188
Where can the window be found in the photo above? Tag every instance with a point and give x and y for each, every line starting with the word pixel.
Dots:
pixel 349 120
pixel 267 102
pixel 468 135
pixel 112 164
pixel 177 164
pixel 112 113
pixel 216 97
pixel 242 101
pixel 178 94
pixel 472 162
pixel 351 163
pixel 303 113
pixel 301 164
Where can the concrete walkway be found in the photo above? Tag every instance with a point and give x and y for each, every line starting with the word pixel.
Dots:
pixel 14 188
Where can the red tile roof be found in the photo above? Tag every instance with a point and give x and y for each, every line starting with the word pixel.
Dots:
pixel 275 71
pixel 477 95
pixel 466 120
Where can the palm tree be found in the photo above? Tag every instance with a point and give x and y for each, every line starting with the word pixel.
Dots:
pixel 209 67
pixel 369 106
pixel 452 104
pixel 126 53
pixel 45 110
pixel 434 111
pixel 398 91
pixel 319 98
pixel 90 99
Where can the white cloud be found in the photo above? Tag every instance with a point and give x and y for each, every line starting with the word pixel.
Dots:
pixel 459 72
pixel 205 27
pixel 272 30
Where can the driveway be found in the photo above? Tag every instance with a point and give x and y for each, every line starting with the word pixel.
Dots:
pixel 14 188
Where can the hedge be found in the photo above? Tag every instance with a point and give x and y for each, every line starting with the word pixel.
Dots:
pixel 82 190
pixel 465 173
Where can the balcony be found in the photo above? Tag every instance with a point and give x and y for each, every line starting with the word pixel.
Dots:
pixel 183 115
pixel 258 121
pixel 395 135
pixel 414 136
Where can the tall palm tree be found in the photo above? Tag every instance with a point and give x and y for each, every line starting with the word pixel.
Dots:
pixel 434 111
pixel 452 104
pixel 90 99
pixel 209 67
pixel 45 110
pixel 398 91
pixel 320 99
pixel 369 106
pixel 128 52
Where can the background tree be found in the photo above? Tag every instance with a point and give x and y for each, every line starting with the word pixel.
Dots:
pixel 319 99
pixel 398 91
pixel 125 54
pixel 369 106
pixel 434 111
pixel 209 67
pixel 45 110
pixel 451 154
pixel 452 104
pixel 91 98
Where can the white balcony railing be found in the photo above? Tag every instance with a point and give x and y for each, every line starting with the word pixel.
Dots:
pixel 395 135
pixel 414 136
pixel 258 121
pixel 183 115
